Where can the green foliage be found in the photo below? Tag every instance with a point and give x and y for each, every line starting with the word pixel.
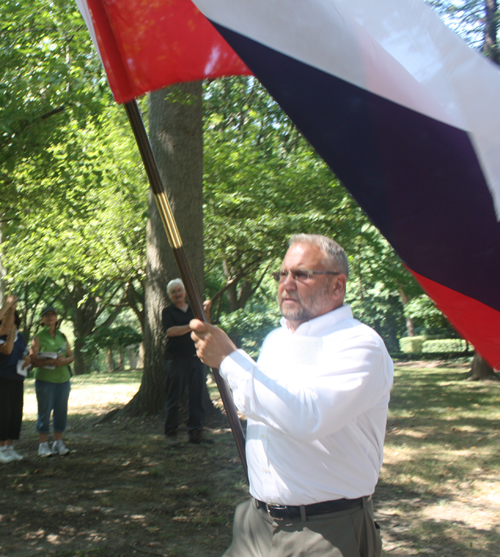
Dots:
pixel 378 284
pixel 85 237
pixel 263 182
pixel 74 194
pixel 249 327
pixel 112 337
pixel 50 90
pixel 422 344
pixel 427 317
pixel 446 345
pixel 412 344
pixel 70 177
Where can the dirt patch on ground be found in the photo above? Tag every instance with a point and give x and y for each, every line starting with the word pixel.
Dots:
pixel 120 492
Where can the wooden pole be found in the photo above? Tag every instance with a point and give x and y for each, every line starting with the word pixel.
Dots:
pixel 175 242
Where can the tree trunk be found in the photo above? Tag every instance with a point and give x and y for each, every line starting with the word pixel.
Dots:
pixel 140 360
pixel 120 356
pixel 133 357
pixel 79 331
pixel 110 364
pixel 481 371
pixel 87 307
pixel 410 329
pixel 3 272
pixel 245 291
pixel 176 134
pixel 490 30
pixel 232 297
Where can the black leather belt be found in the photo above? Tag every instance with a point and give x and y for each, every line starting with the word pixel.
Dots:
pixel 285 511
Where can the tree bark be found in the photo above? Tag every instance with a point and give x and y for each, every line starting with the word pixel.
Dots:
pixel 176 135
pixel 86 308
pixel 490 30
pixel 140 360
pixel 120 357
pixel 3 271
pixel 110 363
pixel 133 357
pixel 232 297
pixel 410 329
pixel 80 330
pixel 481 371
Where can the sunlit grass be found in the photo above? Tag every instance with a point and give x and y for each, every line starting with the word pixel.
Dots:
pixel 442 458
pixel 91 394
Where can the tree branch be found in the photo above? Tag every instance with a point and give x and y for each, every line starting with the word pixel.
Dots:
pixel 29 123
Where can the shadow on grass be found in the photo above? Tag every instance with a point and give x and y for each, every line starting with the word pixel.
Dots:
pixel 407 531
pixel 120 492
pixel 438 493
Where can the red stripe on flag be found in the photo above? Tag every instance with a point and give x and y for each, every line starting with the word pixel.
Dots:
pixel 123 89
pixel 149 45
pixel 476 322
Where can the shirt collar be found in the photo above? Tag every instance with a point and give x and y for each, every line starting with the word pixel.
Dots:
pixel 316 325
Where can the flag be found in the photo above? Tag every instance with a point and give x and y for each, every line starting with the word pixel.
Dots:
pixel 145 45
pixel 405 114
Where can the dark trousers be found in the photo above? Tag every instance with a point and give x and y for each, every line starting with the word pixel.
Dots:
pixel 182 373
pixel 11 408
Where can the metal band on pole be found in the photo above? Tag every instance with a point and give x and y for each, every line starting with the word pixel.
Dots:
pixel 175 241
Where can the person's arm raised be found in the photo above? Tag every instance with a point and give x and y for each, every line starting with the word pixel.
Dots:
pixel 11 301
pixel 7 347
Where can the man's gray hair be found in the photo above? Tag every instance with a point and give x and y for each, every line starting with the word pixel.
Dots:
pixel 174 282
pixel 335 255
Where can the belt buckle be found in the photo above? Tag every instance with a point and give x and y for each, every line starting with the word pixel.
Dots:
pixel 275 507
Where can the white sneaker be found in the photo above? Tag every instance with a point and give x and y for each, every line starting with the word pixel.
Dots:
pixel 59 448
pixel 44 450
pixel 16 456
pixel 5 456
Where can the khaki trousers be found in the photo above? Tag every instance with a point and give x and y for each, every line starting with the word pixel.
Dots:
pixel 350 533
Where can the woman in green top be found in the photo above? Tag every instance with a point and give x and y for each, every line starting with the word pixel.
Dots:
pixel 51 356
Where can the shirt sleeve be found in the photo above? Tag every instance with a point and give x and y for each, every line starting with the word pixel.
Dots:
pixel 308 406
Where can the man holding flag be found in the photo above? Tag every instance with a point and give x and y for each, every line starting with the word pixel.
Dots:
pixel 389 98
pixel 316 402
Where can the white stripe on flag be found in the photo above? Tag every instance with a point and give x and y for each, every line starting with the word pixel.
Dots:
pixel 84 10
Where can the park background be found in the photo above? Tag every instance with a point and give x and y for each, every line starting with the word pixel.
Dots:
pixel 79 230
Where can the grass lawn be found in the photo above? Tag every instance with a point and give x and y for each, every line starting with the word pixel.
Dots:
pixel 439 490
pixel 120 493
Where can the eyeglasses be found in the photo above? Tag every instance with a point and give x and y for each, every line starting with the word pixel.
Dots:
pixel 300 275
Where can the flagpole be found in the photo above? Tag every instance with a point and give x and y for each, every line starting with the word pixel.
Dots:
pixel 175 242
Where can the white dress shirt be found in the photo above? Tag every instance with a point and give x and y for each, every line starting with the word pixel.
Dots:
pixel 316 403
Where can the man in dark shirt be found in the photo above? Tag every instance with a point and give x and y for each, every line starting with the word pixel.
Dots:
pixel 182 367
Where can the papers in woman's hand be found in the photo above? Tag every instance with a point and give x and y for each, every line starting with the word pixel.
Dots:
pixel 45 356
pixel 22 369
